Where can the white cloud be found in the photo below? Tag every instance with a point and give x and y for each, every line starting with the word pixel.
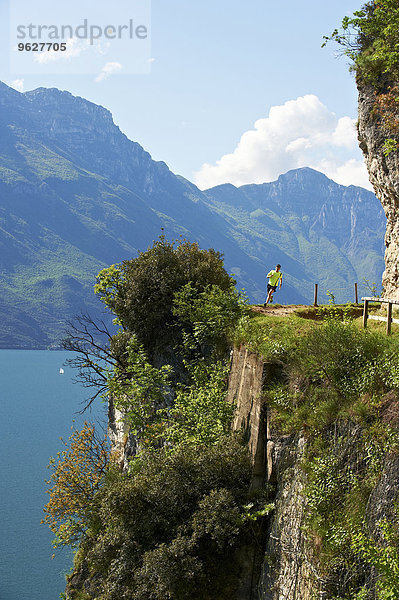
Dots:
pixel 345 133
pixel 351 172
pixel 299 133
pixel 108 69
pixel 18 84
pixel 74 48
pixel 151 60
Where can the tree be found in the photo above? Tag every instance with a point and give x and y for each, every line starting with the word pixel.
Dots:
pixel 77 475
pixel 93 354
pixel 178 303
pixel 170 527
pixel 140 292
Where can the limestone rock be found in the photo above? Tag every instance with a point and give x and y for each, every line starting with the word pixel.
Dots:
pixel 384 176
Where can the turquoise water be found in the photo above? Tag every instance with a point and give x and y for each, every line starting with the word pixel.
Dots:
pixel 37 407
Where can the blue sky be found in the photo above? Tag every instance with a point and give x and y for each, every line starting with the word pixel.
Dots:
pixel 217 68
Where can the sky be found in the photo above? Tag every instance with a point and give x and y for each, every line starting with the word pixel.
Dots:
pixel 221 90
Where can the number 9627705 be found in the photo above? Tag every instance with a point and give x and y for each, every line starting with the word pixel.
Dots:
pixel 42 47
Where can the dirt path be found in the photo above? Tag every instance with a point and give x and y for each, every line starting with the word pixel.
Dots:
pixel 279 310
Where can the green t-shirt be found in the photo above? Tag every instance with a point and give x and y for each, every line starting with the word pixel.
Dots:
pixel 274 277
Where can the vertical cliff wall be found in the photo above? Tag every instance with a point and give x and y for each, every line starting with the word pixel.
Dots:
pixel 384 176
pixel 282 570
pixel 286 567
pixel 248 373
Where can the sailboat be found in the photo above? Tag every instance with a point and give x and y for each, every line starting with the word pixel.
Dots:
pixel 62 371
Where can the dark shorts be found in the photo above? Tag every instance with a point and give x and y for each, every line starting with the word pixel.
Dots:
pixel 271 287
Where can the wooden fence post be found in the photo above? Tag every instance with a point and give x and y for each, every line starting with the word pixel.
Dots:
pixel 365 313
pixel 356 296
pixel 315 294
pixel 389 318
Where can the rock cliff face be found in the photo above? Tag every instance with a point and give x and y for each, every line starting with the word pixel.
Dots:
pixel 284 571
pixel 289 570
pixel 384 176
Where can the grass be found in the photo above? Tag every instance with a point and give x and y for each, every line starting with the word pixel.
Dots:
pixel 275 337
pixel 321 312
pixel 271 336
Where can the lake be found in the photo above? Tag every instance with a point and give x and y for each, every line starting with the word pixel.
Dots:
pixel 38 406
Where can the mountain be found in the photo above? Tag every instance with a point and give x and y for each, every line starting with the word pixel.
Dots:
pixel 76 195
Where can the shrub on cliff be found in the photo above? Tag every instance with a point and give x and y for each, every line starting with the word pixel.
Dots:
pixel 169 529
pixel 370 39
pixel 335 370
pixel 174 304
pixel 141 291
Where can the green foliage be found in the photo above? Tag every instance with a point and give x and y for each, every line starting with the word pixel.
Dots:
pixel 272 338
pixel 200 414
pixel 390 145
pixel 371 288
pixel 341 473
pixel 141 291
pixel 337 354
pixel 383 557
pixel 137 388
pixel 205 315
pixel 335 371
pixel 170 526
pixel 370 39
pixel 331 297
pixel 332 312
pixel 208 317
pixel 362 594
pixel 109 282
pixel 169 529
pixel 337 492
pixel 197 411
pixel 337 381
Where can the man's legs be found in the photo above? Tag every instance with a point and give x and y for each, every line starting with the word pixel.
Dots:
pixel 269 296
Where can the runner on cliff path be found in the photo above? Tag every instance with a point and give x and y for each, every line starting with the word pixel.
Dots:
pixel 274 277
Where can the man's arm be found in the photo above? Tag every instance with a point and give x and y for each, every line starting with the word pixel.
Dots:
pixel 281 280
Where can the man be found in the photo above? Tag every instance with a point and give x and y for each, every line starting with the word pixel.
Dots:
pixel 274 278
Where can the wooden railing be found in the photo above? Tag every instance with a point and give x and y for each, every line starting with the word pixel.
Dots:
pixel 388 319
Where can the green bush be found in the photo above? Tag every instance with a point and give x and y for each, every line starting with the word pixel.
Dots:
pixel 334 371
pixel 336 353
pixel 272 338
pixel 137 388
pixel 141 291
pixel 369 38
pixel 169 528
pixel 200 413
pixel 209 317
pixel 384 558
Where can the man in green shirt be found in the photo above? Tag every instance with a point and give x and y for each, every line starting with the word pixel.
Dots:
pixel 274 278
